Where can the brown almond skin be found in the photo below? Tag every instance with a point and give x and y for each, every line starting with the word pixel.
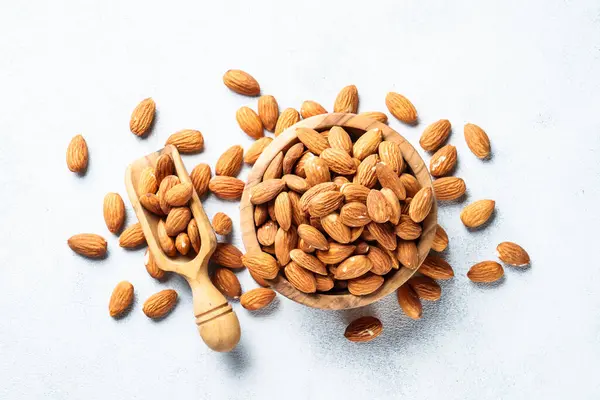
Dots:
pixel 164 167
pixel 308 261
pixel 407 229
pixel 88 245
pixel 167 243
pixel 407 254
pixel 367 144
pixel 409 302
pixel 366 174
pixel 353 267
pixel 177 220
pixel 132 237
pixel 391 155
pixel 313 237
pixel 287 118
pixel 266 233
pixel 226 187
pixel 230 162
pixel 336 253
pixel 401 108
pixel 121 299
pixel 312 140
pixel 338 138
pixel 275 168
pixel 285 242
pixel 377 207
pixel 114 212
pixel 301 278
pixel 180 194
pixel 382 264
pixel 227 283
pixel 200 177
pixel 411 184
pixel 363 329
pixel 325 203
pixel 346 100
pixel 152 268
pixel 324 283
pixel 266 191
pixel 311 108
pixel 354 214
pixel 339 161
pixel 365 285
pixel 449 188
pixel 513 254
pixel 425 287
pixel 249 122
pixel 142 117
pixel 291 156
pixel 384 234
pixel 435 135
pixel 268 111
pixel 376 115
pixel 485 272
pixel 182 243
pixel 241 82
pixel 77 155
pixel 222 224
pixel 187 141
pixel 436 268
pixel 390 179
pixel 256 150
pixel 478 141
pixel 256 299
pixel 440 240
pixel 355 192
pixel 227 255
pixel 443 161
pixel 261 263
pixel 160 304
pixel 421 204
pixel 477 213
pixel 334 227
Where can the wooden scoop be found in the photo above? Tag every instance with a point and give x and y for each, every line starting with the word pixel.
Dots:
pixel 217 323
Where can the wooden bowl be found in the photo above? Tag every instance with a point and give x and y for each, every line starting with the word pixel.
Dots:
pixel 352 123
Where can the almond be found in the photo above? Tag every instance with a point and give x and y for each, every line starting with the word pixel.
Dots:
pixel 261 281
pixel 324 283
pixel 347 100
pixel 407 254
pixel 142 117
pixel 443 161
pixel 383 234
pixel 366 173
pixel 367 144
pixel 241 82
pixel 180 194
pixel 401 108
pixel 393 205
pixel 227 282
pixel 194 235
pixel 147 182
pixel 377 207
pixel 230 162
pixel 299 216
pixel 477 140
pixel 300 278
pixel 353 267
pixel 256 150
pixel 114 212
pixel 182 243
pixel 260 214
pixel 226 187
pixel 376 115
pixel 304 158
pixel 364 285
pixel 354 214
pixel 391 155
pixel 283 211
pixel 227 255
pixel 88 245
pixel 339 161
pixel 477 213
pixel 336 253
pixel 449 188
pixel 409 302
pixel 513 254
pixel 287 118
pixel 295 183
pixel 411 184
pixel 152 268
pixel 313 140
pixel 407 229
pixel 317 171
pixel 164 167
pixel 266 233
pixel 121 299
pixel 336 229
pixel 311 108
pixel 160 304
pixel 249 122
pixel 132 237
pixel 308 262
pixel 177 220
pixel 200 177
pixel 425 287
pixel 421 204
pixel 266 191
pixel 167 244
pixel 389 179
pixel 325 203
pixel 355 192
pixel 256 299
pixel 314 191
pixel 382 264
pixel 485 272
pixel 268 112
pixel 305 247
pixel 363 329
pixel 435 135
pixel 261 263
pixel 77 154
pixel 440 240
pixel 222 224
pixel 285 242
pixel 291 156
pixel 187 141
pixel 167 183
pixel 436 268
pixel 313 237
pixel 339 139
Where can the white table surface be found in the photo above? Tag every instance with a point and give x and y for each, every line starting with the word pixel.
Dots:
pixel 527 72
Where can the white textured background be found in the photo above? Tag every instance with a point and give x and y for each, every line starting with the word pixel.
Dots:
pixel 527 72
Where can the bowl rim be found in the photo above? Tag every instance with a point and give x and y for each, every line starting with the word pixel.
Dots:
pixel 283 142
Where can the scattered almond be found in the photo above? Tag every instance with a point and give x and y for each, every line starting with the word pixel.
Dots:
pixel 363 329
pixel 256 150
pixel 256 299
pixel 200 177
pixel 226 187
pixel 449 188
pixel 77 154
pixel 513 254
pixel 227 255
pixel 477 213
pixel 227 283
pixel 132 237
pixel 409 302
pixel 187 141
pixel 230 162
pixel 347 100
pixel 436 268
pixel 88 245
pixel 364 285
pixel 401 108
pixel 142 117
pixel 287 118
pixel 435 135
pixel 222 224
pixel 311 108
pixel 477 140
pixel 266 191
pixel 160 304
pixel 367 144
pixel 268 112
pixel 121 299
pixel 443 161
pixel 338 138
pixel 485 272
pixel 249 122
pixel 408 254
pixel 425 287
pixel 421 204
pixel 440 240
pixel 241 82
pixel 376 115
pixel 152 268
pixel 114 212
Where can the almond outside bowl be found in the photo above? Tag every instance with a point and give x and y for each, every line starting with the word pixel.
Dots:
pixel 355 125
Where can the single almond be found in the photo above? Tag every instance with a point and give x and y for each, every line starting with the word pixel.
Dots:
pixel 275 168
pixel 230 162
pixel 325 203
pixel 324 283
pixel 295 183
pixel 300 278
pixel 313 140
pixel 311 108
pixel 77 154
pixel 256 150
pixel 266 233
pixel 257 299
pixel 366 173
pixel 241 82
pixel 287 118
pixel 121 299
pixel 436 268
pixel 299 216
pixel 164 167
pixel 266 191
pixel 249 122
pixel 314 191
pixel 354 214
pixel 355 192
pixel 389 179
pixel 435 135
pixel 411 184
pixel 182 243
pixel 187 141
pixel 364 285
pixel 376 115
pixel 271 210
pixel 409 302
pixel 336 253
pixel 382 264
pixel 440 239
pixel 152 268
pixel 177 220
pixel 425 287
pixel 477 140
pixel 317 171
pixel 377 207
pixel 167 243
pixel 485 272
pixel 167 183
pixel 347 100
pixel 283 210
pixel 222 224
pixel 391 155
pixel 336 229
pixel 291 156
pixel 200 177
pixel 305 247
pixel 513 254
pixel 443 161
pixel 285 242
pixel 88 245
pixel 261 263
pixel 401 108
pixel 180 194
pixel 367 144
pixel 338 138
pixel 421 204
pixel 142 117
pixel 160 304
pixel 363 329
pixel 383 234
pixel 393 205
pixel 226 187
pixel 132 237
pixel 147 182
pixel 227 283
pixel 339 161
pixel 227 255
pixel 268 112
pixel 300 164
pixel 408 254
pixel 353 267
pixel 313 237
pixel 449 188
pixel 260 214
pixel 407 229
pixel 194 235
pixel 308 262
pixel 477 213
pixel 114 212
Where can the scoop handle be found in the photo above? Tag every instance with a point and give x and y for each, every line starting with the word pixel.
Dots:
pixel 218 324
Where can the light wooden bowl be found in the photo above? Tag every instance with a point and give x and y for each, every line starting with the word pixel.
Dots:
pixel 352 123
